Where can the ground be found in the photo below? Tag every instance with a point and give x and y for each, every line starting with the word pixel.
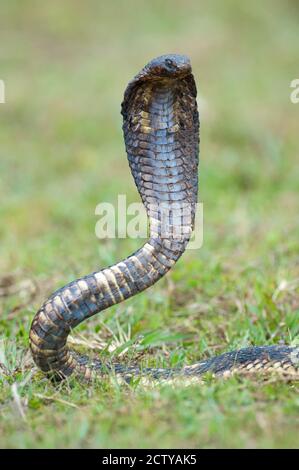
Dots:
pixel 65 66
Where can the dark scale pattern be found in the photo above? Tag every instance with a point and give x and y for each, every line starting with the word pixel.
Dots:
pixel 161 133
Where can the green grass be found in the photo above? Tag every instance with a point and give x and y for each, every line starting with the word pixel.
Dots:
pixel 66 65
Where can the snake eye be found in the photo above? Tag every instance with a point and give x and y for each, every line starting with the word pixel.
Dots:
pixel 170 64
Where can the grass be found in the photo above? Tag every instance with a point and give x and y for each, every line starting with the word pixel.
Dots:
pixel 65 65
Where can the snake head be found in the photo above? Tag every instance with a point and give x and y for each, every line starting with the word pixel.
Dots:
pixel 168 66
pixel 163 68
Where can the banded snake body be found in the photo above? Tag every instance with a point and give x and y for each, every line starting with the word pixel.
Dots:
pixel 161 133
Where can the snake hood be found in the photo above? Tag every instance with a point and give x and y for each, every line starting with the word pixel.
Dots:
pixel 164 69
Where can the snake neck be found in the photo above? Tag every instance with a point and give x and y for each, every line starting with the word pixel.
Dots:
pixel 162 153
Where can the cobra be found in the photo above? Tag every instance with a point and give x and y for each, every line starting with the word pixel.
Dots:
pixel 161 133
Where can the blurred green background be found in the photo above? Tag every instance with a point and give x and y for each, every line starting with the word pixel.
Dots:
pixel 66 65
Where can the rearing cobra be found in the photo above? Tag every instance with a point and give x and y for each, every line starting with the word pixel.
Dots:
pixel 161 133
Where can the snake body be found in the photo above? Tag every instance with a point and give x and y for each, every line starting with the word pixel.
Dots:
pixel 161 133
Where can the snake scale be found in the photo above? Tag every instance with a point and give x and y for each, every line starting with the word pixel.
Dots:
pixel 161 133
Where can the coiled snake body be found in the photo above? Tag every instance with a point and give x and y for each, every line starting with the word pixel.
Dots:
pixel 161 132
